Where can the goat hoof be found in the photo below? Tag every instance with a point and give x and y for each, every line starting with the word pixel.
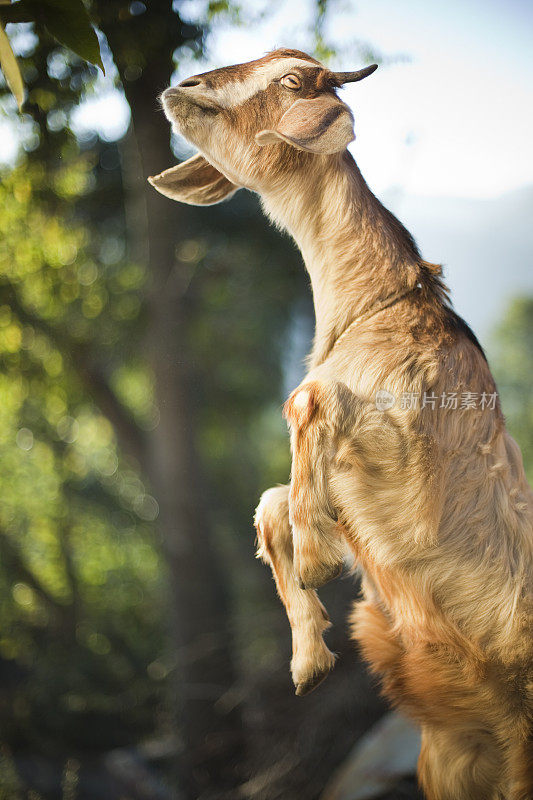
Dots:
pixel 308 686
pixel 315 578
pixel 311 668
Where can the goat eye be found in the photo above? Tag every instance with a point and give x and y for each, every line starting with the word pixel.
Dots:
pixel 291 81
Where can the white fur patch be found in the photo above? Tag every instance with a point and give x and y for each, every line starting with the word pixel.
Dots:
pixel 301 400
pixel 235 93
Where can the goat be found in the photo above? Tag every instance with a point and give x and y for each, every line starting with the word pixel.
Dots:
pixel 429 495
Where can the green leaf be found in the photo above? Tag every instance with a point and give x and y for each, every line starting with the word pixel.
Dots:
pixel 69 23
pixel 10 68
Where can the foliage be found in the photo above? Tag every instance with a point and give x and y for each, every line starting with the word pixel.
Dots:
pixel 84 646
pixel 81 573
pixel 11 70
pixel 66 20
pixel 512 360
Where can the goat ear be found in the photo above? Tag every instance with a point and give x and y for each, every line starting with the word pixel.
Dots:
pixel 195 182
pixel 323 124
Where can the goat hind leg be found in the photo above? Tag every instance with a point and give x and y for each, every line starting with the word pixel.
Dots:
pixel 311 659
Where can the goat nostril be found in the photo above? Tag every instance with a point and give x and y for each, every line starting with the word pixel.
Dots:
pixel 190 82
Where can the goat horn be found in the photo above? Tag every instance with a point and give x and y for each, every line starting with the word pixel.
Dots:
pixel 352 77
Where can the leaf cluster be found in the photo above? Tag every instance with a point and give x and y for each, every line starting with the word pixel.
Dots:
pixel 66 20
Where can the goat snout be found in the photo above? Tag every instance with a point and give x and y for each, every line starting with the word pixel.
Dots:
pixel 183 89
pixel 189 93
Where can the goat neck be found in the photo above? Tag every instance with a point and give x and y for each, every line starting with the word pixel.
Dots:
pixel 356 252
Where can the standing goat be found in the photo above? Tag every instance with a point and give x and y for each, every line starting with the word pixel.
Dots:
pixel 400 452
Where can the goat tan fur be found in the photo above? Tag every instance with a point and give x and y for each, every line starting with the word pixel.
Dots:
pixel 431 500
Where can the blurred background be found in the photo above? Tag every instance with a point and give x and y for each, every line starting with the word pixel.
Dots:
pixel 146 349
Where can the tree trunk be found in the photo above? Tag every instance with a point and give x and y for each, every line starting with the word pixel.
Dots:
pixel 212 738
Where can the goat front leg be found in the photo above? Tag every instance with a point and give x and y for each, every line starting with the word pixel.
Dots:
pixel 311 659
pixel 319 547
